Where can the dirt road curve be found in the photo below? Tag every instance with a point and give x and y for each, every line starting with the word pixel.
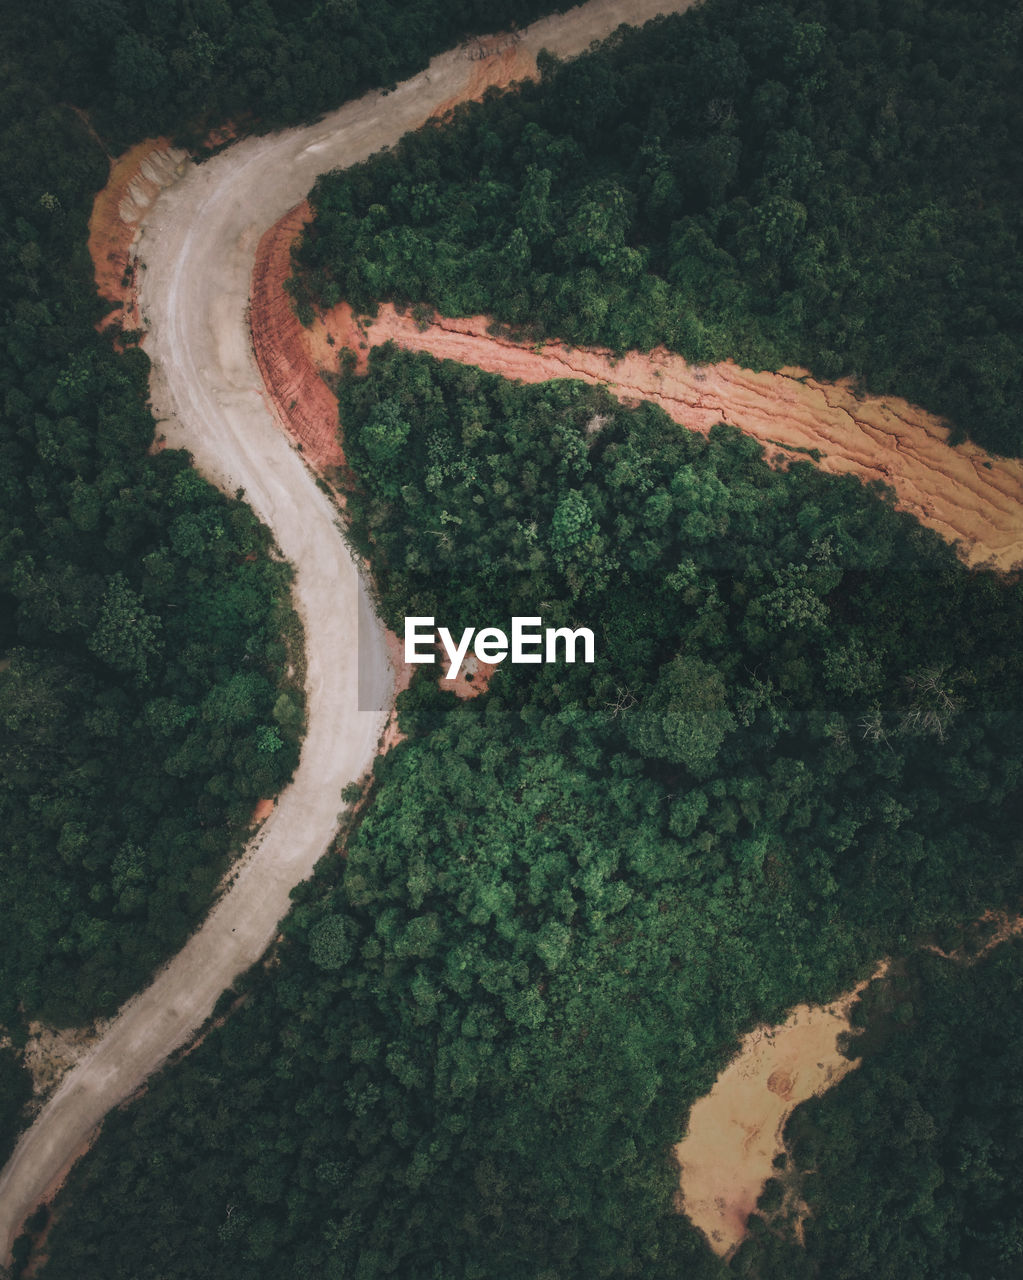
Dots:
pixel 198 243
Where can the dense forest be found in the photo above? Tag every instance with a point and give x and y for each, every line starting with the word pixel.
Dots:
pixel 835 185
pixel 916 1155
pixel 800 746
pixel 145 67
pixel 143 707
pixel 481 1035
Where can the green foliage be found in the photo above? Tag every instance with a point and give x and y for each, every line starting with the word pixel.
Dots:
pixel 15 1091
pixel 685 717
pixel 915 1156
pixel 484 1027
pixel 144 628
pixel 125 635
pixel 142 68
pixel 833 186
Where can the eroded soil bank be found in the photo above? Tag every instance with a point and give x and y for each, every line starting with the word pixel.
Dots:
pixel 966 495
pixel 303 402
pixel 136 179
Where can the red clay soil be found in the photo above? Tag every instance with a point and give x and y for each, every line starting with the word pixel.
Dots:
pixel 471 681
pixel 302 400
pixel 136 179
pixel 499 62
pixel 111 235
pixel 968 497
pixel 290 358
pixel 473 677
pixel 262 811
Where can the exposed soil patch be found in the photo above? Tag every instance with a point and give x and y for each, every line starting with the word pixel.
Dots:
pixel 292 359
pixel 50 1054
pixel 498 61
pixel 781 1083
pixel 300 397
pixel 263 810
pixel 735 1132
pixel 136 179
pixel 473 677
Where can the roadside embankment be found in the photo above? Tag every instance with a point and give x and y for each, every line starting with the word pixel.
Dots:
pixel 303 402
pixel 136 179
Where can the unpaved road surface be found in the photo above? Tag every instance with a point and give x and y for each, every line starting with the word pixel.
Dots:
pixel 197 247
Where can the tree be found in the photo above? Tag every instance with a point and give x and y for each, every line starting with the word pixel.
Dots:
pixel 685 717
pixel 126 636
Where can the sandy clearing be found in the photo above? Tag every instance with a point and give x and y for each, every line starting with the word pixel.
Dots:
pixel 197 243
pixel 966 495
pixel 735 1131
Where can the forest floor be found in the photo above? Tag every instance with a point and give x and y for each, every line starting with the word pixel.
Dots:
pixel 194 248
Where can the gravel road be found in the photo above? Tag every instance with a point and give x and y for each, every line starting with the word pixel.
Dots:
pixel 197 248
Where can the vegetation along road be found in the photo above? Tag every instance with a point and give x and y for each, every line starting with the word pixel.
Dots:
pixel 197 249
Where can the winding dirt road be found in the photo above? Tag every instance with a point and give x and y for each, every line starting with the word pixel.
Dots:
pixel 198 242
